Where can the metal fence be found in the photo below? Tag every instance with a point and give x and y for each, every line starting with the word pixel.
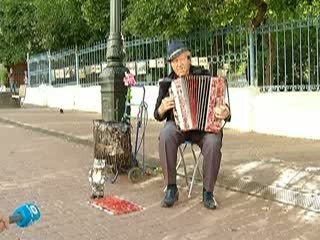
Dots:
pixel 69 66
pixel 287 56
pixel 222 52
pixel 276 57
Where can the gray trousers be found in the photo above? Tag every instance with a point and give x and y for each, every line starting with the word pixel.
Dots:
pixel 210 144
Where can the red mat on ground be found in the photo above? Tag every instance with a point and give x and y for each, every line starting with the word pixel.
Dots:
pixel 115 205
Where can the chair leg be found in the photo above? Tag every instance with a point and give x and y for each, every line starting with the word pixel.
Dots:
pixel 183 162
pixel 181 156
pixel 196 168
pixel 196 160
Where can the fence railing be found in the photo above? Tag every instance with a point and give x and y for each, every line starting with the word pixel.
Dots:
pixel 283 57
pixel 287 56
pixel 69 66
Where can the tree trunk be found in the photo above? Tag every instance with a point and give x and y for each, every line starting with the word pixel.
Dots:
pixel 270 59
pixel 262 8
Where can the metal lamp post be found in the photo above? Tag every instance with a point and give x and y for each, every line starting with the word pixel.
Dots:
pixel 106 132
pixel 113 90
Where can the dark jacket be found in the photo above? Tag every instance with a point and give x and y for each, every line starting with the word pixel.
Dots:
pixel 164 91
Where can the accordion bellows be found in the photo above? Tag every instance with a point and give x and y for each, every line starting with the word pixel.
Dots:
pixel 195 98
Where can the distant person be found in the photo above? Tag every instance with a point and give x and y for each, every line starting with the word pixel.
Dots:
pixel 25 79
pixel 11 81
pixel 4 223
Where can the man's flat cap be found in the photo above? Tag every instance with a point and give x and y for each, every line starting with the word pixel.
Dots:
pixel 174 49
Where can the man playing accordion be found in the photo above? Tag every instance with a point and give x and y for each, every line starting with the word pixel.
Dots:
pixel 171 136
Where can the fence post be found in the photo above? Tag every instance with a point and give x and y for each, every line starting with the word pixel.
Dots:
pixel 251 59
pixel 77 66
pixel 49 65
pixel 169 66
pixel 28 83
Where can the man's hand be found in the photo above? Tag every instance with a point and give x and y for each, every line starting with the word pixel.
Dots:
pixel 222 111
pixel 4 223
pixel 166 104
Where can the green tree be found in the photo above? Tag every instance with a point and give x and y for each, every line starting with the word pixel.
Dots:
pixel 96 14
pixel 17 27
pixel 37 25
pixel 3 75
pixel 60 24
pixel 170 18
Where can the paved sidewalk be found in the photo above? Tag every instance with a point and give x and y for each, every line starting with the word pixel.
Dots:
pixel 45 157
pixel 277 168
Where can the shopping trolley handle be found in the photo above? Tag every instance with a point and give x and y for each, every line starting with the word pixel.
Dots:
pixel 144 89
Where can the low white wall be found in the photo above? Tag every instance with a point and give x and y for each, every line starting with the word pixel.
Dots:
pixel 242 108
pixel 69 97
pixel 88 99
pixel 293 114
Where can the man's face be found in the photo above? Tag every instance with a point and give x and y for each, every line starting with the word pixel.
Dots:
pixel 181 64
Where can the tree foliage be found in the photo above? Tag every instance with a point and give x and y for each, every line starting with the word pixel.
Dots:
pixel 173 18
pixel 166 17
pixel 60 23
pixel 96 14
pixel 37 25
pixel 16 29
pixel 3 75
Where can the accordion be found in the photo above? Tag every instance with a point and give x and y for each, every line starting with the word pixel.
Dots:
pixel 195 98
